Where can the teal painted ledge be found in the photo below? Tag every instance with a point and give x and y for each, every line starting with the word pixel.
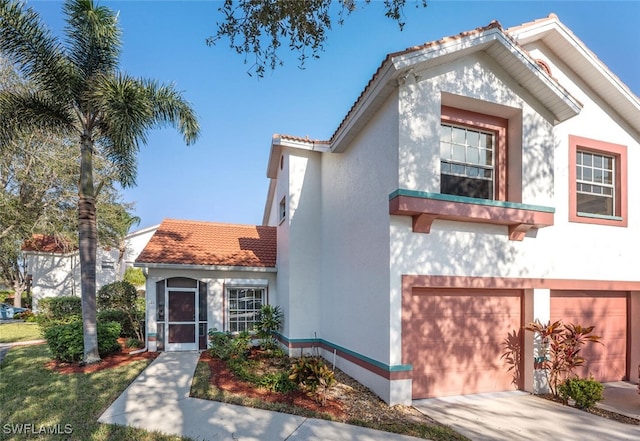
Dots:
pixel 368 363
pixel 424 208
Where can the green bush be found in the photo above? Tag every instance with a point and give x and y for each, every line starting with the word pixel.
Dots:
pixel 225 345
pixel 67 344
pixel 313 375
pixel 585 392
pixel 115 315
pixel 134 343
pixel 122 296
pixel 60 309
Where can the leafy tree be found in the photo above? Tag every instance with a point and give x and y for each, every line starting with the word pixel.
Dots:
pixel 259 27
pixel 78 93
pixel 135 276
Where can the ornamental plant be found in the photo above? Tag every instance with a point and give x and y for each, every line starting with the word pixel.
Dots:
pixel 313 376
pixel 585 392
pixel 561 346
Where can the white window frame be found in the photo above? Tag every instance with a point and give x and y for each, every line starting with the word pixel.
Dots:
pixel 228 310
pixel 466 164
pixel 580 182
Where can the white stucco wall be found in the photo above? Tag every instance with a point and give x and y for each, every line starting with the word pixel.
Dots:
pixel 355 227
pixel 57 275
pixel 215 280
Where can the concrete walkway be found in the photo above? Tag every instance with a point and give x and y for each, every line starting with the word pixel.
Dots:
pixel 508 416
pixel 158 399
pixel 4 347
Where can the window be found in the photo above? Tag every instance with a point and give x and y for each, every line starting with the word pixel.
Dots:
pixel 467 166
pixel 244 307
pixel 282 209
pixel 472 154
pixel 108 264
pixel 595 183
pixel 597 178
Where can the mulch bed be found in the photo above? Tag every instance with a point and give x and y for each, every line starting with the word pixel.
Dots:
pixel 114 360
pixel 223 379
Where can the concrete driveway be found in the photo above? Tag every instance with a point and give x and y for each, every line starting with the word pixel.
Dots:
pixel 508 416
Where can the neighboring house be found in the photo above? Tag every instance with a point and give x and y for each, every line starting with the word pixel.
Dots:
pixel 55 266
pixel 478 183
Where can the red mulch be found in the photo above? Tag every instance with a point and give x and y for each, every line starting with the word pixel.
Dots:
pixel 117 359
pixel 223 379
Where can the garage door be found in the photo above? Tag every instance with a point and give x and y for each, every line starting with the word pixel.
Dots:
pixel 608 312
pixel 453 339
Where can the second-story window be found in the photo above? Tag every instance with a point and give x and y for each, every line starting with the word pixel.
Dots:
pixel 595 180
pixel 467 158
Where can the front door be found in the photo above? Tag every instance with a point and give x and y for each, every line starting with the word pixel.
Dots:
pixel 182 325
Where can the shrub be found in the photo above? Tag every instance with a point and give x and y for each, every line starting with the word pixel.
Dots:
pixel 313 375
pixel 134 343
pixel 116 315
pixel 225 345
pixel 67 344
pixel 60 309
pixel 585 392
pixel 122 296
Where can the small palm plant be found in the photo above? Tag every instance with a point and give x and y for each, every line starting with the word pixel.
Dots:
pixel 269 324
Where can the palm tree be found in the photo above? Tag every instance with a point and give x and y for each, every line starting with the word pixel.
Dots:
pixel 79 93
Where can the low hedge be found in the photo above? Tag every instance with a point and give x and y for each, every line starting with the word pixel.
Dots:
pixel 66 340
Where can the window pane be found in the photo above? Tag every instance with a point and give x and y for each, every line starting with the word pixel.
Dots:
pixel 597 161
pixel 579 158
pixel 458 153
pixel 445 150
pixel 473 155
pixel 586 158
pixel 445 134
pixel 597 175
pixel 607 177
pixel 587 174
pixel 607 163
pixel 473 138
pixel 593 204
pixel 458 136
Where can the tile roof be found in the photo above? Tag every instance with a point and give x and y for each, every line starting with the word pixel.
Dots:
pixel 181 242
pixel 47 244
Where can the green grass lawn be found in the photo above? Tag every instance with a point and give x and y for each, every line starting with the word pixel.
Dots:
pixel 31 394
pixel 11 332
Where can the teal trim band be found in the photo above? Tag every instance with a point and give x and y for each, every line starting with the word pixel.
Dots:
pixel 600 216
pixel 371 361
pixel 153 334
pixel 468 200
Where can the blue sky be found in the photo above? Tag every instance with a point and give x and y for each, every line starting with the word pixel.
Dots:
pixel 223 176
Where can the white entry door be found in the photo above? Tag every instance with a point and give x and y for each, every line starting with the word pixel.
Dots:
pixel 182 325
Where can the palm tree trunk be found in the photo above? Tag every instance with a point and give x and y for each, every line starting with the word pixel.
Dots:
pixel 87 242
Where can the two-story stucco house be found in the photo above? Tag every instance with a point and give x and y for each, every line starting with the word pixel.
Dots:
pixel 479 182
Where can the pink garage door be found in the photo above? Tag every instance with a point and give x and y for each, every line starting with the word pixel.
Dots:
pixel 454 340
pixel 608 312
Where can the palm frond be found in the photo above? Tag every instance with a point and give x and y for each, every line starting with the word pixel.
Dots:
pixel 128 108
pixel 170 108
pixel 24 111
pixel 38 54
pixel 93 37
